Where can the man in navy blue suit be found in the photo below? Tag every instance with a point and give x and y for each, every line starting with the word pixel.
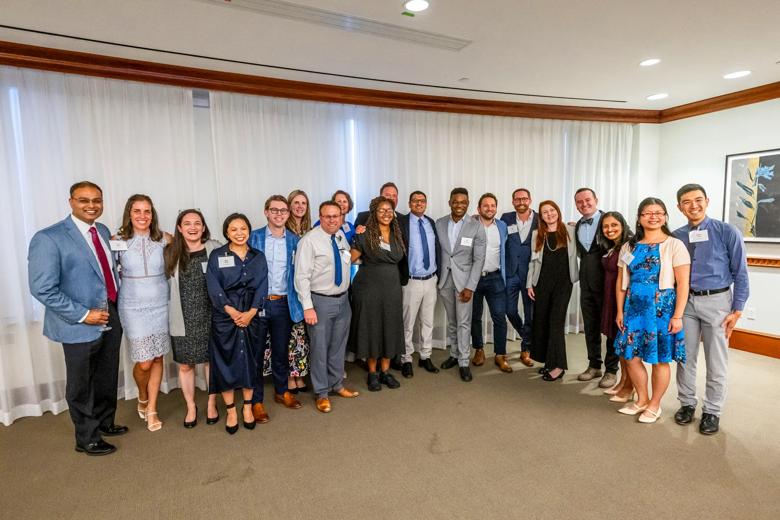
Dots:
pixel 520 224
pixel 72 273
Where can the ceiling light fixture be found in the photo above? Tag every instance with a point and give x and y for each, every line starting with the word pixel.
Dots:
pixel 416 6
pixel 738 74
pixel 649 62
pixel 660 95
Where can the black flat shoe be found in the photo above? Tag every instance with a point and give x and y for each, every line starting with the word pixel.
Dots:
pixel 373 382
pixel 230 429
pixel 428 365
pixel 194 422
pixel 387 379
pixel 548 377
pixel 249 425
pixel 98 448
pixel 113 430
pixel 449 363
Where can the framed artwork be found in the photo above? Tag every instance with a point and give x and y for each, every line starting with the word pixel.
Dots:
pixel 752 194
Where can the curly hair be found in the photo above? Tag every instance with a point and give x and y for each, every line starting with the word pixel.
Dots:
pixel 374 234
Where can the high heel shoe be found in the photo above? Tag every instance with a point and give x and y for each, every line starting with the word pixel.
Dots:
pixel 613 391
pixel 230 429
pixel 619 399
pixel 152 427
pixel 194 422
pixel 212 420
pixel 249 425
pixel 548 377
pixel 142 411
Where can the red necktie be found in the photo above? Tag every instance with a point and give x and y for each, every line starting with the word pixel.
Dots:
pixel 108 275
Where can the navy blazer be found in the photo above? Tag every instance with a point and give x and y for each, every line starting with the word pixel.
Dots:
pixel 518 253
pixel 403 265
pixel 65 276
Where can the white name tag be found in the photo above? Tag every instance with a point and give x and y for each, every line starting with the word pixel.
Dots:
pixel 627 258
pixel 345 227
pixel 261 313
pixel 204 265
pixel 466 242
pixel 385 246
pixel 345 256
pixel 512 229
pixel 118 245
pixel 700 235
pixel 226 261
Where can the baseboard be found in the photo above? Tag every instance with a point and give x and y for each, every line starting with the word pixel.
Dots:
pixel 756 342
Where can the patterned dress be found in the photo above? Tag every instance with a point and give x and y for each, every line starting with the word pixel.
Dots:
pixel 196 310
pixel 143 298
pixel 647 312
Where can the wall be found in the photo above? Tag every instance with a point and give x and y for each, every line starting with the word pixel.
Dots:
pixel 694 150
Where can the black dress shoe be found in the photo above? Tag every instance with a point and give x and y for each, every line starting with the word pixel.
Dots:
pixel 113 430
pixel 542 371
pixel 396 364
pixel 449 363
pixel 685 414
pixel 373 382
pixel 465 374
pixel 100 447
pixel 428 365
pixel 193 423
pixel 406 370
pixel 709 424
pixel 387 379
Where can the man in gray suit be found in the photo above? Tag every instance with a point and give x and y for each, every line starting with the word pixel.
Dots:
pixel 71 272
pixel 462 243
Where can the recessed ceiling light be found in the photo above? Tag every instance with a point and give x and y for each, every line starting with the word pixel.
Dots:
pixel 649 62
pixel 416 6
pixel 660 95
pixel 738 74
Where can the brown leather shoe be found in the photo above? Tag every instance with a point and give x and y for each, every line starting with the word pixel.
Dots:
pixel 479 357
pixel 323 404
pixel 502 364
pixel 525 358
pixel 258 410
pixel 346 392
pixel 288 400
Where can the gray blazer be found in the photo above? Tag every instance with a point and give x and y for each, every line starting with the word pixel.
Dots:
pixel 175 313
pixel 535 267
pixel 463 261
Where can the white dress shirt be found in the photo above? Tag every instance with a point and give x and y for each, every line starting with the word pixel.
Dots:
pixel 524 228
pixel 493 252
pixel 84 228
pixel 314 265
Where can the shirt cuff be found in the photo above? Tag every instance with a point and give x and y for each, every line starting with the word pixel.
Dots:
pixel 84 317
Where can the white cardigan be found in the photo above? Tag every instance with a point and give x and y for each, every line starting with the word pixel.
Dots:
pixel 673 254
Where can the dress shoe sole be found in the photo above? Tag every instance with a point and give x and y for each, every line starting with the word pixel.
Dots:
pixel 94 453
pixel 683 422
pixel 709 432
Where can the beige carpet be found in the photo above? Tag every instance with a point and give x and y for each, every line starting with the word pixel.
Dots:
pixel 503 446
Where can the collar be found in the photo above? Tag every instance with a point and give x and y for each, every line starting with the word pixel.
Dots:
pixel 519 220
pixel 269 234
pixel 82 226
pixel 704 224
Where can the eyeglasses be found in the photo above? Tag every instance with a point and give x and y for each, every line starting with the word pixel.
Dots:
pixel 384 211
pixel 650 214
pixel 329 217
pixel 521 199
pixel 89 201
pixel 278 211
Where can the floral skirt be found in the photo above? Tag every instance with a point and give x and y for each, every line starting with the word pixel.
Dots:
pixel 298 352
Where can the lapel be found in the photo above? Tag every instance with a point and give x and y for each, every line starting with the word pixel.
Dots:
pixel 81 246
pixel 444 234
pixel 460 233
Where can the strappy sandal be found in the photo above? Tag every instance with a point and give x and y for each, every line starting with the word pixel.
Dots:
pixel 142 411
pixel 152 427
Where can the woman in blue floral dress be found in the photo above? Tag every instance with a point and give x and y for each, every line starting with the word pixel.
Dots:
pixel 652 290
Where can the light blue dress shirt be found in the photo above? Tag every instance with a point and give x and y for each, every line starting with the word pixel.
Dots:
pixel 276 258
pixel 415 252
pixel 587 232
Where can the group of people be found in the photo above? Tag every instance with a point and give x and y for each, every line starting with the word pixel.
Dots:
pixel 286 301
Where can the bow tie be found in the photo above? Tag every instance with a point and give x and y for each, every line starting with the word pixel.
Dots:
pixel 587 220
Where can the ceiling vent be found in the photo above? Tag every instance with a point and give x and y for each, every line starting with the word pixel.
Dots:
pixel 345 22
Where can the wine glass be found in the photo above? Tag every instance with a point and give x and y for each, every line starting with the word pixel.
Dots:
pixel 103 306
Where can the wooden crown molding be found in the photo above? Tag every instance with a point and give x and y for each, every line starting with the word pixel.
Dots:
pixel 72 62
pixel 755 261
pixel 755 342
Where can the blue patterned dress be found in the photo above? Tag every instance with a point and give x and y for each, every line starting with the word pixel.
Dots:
pixel 647 311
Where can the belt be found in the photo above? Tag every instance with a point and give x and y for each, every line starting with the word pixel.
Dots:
pixel 339 295
pixel 274 297
pixel 485 273
pixel 709 291
pixel 427 277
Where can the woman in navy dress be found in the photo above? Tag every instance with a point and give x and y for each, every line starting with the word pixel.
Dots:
pixel 237 279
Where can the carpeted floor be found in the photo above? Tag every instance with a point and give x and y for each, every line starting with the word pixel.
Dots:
pixel 502 446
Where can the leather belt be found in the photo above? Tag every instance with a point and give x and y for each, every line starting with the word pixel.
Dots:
pixel 427 277
pixel 339 295
pixel 485 273
pixel 274 297
pixel 709 291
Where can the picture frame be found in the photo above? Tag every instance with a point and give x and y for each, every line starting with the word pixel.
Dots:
pixel 751 199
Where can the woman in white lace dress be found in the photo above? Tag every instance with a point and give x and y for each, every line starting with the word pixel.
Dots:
pixel 143 301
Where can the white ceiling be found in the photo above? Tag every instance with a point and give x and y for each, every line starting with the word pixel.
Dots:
pixel 575 48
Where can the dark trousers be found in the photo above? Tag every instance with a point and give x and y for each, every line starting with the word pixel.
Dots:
pixel 278 325
pixel 549 345
pixel 515 289
pixel 491 288
pixel 92 370
pixel 591 303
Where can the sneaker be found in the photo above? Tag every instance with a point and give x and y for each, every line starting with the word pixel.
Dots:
pixel 589 374
pixel 608 381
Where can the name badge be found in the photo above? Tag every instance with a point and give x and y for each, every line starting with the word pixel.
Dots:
pixel 466 242
pixel 627 258
pixel 512 229
pixel 204 265
pixel 345 256
pixel 699 235
pixel 118 245
pixel 226 261
pixel 385 246
pixel 345 228
pixel 261 313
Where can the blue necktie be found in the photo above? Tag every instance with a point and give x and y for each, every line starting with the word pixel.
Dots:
pixel 336 259
pixel 424 240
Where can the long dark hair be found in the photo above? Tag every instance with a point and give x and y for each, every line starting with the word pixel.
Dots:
pixel 126 231
pixel 640 231
pixel 373 233
pixel 561 235
pixel 176 254
pixel 624 237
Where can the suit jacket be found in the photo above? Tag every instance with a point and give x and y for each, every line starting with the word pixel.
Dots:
pixel 403 266
pixel 257 241
pixel 591 270
pixel 464 262
pixel 518 252
pixel 65 276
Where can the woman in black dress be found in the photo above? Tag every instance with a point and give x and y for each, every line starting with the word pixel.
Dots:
pixel 551 276
pixel 376 331
pixel 237 278
pixel 189 307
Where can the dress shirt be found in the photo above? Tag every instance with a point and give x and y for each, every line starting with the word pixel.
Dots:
pixel 276 257
pixel 493 252
pixel 718 262
pixel 453 230
pixel 314 265
pixel 84 228
pixel 524 228
pixel 587 232
pixel 416 267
